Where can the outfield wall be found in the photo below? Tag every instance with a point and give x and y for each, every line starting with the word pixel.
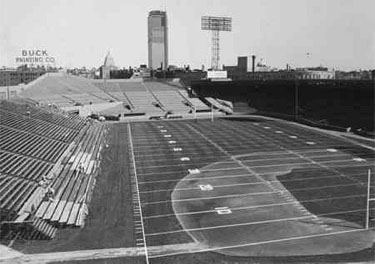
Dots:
pixel 348 103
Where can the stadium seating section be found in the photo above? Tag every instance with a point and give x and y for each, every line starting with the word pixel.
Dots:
pixel 45 151
pixel 137 96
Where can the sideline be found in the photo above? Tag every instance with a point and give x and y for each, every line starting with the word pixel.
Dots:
pixel 137 189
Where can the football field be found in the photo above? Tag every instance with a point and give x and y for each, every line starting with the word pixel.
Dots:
pixel 247 188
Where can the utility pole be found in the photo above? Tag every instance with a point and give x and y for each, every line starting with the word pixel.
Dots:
pixel 296 95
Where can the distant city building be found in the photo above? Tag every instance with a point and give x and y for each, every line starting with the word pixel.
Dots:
pixel 244 70
pixel 321 73
pixel 9 92
pixel 355 75
pixel 157 40
pixel 107 67
pixel 22 74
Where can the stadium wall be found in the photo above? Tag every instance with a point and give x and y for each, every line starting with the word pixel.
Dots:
pixel 345 103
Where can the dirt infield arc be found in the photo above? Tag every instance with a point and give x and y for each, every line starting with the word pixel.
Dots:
pixel 261 209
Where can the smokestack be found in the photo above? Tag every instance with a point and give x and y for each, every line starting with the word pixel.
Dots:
pixel 253 66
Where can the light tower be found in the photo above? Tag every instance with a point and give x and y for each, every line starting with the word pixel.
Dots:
pixel 215 25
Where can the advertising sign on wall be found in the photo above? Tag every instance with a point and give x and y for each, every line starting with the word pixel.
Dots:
pixel 35 57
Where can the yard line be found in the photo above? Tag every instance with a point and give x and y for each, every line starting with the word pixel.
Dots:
pixel 246 175
pixel 180 164
pixel 137 189
pixel 252 223
pixel 197 178
pixel 210 197
pixel 362 164
pixel 261 166
pixel 243 184
pixel 192 153
pixel 258 206
pixel 197 188
pixel 250 194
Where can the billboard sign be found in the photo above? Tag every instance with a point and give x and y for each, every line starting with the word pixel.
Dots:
pixel 216 74
pixel 35 57
pixel 216 23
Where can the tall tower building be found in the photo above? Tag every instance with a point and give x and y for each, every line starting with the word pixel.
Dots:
pixel 157 40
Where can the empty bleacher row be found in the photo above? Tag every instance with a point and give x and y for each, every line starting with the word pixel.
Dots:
pixel 143 101
pixel 14 192
pixel 23 167
pixel 119 86
pixel 150 97
pixel 72 188
pixel 44 114
pixel 172 101
pixel 31 157
pixel 64 90
pixel 36 126
pixel 31 145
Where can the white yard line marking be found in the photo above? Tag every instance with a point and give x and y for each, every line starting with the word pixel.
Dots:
pixel 209 198
pixel 261 206
pixel 137 189
pixel 260 166
pixel 181 164
pixel 312 217
pixel 253 194
pixel 196 178
pixel 195 188
pixel 247 175
pixel 195 150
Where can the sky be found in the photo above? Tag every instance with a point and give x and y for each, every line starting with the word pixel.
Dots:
pixel 338 34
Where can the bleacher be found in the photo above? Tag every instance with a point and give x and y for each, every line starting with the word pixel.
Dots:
pixel 173 101
pixel 217 104
pixel 64 90
pixel 72 189
pixel 151 97
pixel 40 150
pixel 144 102
pixel 115 85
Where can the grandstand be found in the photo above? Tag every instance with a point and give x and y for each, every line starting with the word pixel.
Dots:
pixel 64 90
pixel 115 98
pixel 45 153
pixel 153 97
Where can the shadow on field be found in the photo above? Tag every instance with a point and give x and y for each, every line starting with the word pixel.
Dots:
pixel 217 258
